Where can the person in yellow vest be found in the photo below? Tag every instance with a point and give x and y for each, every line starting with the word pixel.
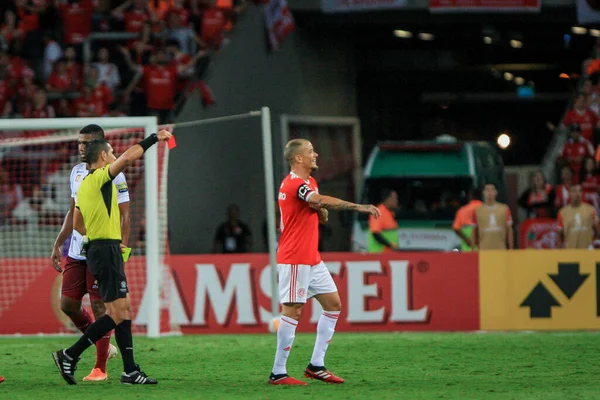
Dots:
pixel 578 222
pixel 464 220
pixel 493 223
pixel 383 235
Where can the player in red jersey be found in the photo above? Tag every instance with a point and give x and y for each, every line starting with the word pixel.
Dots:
pixel 302 274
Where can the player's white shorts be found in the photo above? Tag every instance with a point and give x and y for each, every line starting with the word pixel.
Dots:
pixel 298 283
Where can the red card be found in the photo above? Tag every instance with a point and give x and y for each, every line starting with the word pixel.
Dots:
pixel 171 143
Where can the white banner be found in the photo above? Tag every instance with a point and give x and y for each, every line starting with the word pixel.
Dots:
pixel 333 6
pixel 588 11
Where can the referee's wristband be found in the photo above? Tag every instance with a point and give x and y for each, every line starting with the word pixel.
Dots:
pixel 148 142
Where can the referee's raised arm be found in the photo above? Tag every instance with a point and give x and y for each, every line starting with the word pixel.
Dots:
pixel 137 151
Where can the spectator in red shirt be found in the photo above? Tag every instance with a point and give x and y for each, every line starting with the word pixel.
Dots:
pixel 178 7
pixel 134 13
pixel 39 109
pixel 590 182
pixel 538 200
pixel 26 92
pixel 142 47
pixel 74 69
pixel 15 66
pixel 212 27
pixel 28 13
pixel 77 19
pixel 60 81
pixel 159 81
pixel 561 191
pixel 102 96
pixel 10 30
pixel 87 105
pixel 584 117
pixel 186 65
pixel 575 150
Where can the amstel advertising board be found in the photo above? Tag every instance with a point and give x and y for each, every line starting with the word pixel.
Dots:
pixel 437 291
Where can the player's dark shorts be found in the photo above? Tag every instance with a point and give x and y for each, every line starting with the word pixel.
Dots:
pixel 78 280
pixel 106 264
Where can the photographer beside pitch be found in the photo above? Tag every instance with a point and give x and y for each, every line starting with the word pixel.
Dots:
pixel 97 209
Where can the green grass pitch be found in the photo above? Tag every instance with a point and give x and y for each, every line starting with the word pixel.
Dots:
pixel 376 366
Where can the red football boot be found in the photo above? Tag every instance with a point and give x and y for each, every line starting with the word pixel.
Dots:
pixel 284 379
pixel 321 374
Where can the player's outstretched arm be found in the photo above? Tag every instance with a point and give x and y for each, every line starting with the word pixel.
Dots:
pixel 333 203
pixel 136 151
pixel 65 232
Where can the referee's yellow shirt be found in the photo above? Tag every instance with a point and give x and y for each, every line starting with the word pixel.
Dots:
pixel 97 201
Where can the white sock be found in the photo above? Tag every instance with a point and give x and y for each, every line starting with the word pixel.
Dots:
pixel 325 331
pixel 285 338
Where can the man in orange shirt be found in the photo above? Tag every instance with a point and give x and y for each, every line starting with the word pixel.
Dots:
pixel 464 221
pixel 383 235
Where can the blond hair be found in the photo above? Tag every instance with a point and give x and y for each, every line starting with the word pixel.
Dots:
pixel 292 148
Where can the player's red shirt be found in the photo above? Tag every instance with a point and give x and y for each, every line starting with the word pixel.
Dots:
pixel 586 120
pixel 159 84
pixel 299 242
pixel 77 20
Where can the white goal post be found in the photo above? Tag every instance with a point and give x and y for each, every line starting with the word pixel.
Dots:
pixel 152 191
pixel 150 126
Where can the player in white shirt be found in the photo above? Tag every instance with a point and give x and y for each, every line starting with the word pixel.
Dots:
pixel 77 279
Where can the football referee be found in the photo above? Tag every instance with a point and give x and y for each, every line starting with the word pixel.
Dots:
pixel 98 209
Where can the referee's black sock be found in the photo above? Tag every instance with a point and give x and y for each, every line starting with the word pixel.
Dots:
pixel 125 343
pixel 94 333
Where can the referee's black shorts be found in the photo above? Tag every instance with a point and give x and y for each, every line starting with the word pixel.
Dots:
pixel 105 262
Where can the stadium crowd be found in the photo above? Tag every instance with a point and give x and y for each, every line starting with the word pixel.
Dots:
pixel 160 47
pixel 150 46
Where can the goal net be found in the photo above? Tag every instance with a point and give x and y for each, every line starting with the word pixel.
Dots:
pixel 36 158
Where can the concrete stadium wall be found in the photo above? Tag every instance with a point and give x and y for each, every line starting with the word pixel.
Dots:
pixel 213 165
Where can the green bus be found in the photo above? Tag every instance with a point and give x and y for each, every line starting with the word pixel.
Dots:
pixel 432 179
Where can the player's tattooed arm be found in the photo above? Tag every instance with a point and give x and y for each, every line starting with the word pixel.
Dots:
pixel 333 203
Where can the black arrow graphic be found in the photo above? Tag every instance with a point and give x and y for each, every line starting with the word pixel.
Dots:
pixel 540 302
pixel 568 279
